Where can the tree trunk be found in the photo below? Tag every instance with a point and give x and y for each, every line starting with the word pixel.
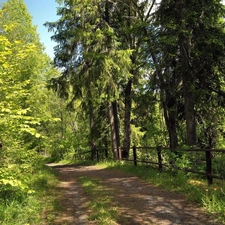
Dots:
pixel 127 116
pixel 186 73
pixel 171 118
pixel 167 85
pixel 114 124
pixel 189 114
pixel 116 121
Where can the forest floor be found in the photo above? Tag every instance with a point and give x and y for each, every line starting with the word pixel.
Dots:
pixel 136 201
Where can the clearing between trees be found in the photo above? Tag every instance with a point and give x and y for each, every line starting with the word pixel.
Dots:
pixel 95 195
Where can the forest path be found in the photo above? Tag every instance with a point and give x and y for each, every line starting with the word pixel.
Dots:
pixel 137 201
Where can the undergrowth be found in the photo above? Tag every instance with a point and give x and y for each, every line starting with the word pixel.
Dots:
pixel 28 202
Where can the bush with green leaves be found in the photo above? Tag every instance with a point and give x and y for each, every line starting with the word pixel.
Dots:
pixel 13 183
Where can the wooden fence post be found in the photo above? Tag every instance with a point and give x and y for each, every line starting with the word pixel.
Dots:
pixel 97 154
pixel 119 153
pixel 135 155
pixel 209 166
pixel 159 150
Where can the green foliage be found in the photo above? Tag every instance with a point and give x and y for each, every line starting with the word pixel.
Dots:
pixel 218 164
pixel 21 72
pixel 214 200
pixel 99 53
pixel 25 116
pixel 197 28
pixel 16 174
pixel 23 204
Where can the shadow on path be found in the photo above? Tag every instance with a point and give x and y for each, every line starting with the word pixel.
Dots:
pixel 138 202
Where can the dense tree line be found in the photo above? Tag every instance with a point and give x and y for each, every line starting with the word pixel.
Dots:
pixel 143 68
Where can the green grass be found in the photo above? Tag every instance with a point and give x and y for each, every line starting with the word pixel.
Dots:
pixel 37 208
pixel 47 194
pixel 103 209
pixel 195 189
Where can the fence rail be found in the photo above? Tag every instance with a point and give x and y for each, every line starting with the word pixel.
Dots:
pixel 208 161
pixel 167 158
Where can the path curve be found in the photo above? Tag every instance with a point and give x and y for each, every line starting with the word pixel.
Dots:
pixel 138 202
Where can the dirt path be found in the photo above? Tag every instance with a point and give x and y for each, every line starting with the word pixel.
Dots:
pixel 138 202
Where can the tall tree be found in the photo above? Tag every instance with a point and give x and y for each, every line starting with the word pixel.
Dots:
pixel 191 21
pixel 88 52
pixel 130 21
pixel 187 73
pixel 24 74
pixel 163 50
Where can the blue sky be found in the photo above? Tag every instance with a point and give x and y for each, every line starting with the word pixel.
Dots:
pixel 43 11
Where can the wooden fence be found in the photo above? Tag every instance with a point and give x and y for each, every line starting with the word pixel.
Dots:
pixel 207 161
pixel 198 161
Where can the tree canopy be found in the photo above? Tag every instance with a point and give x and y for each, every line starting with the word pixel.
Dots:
pixel 131 50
